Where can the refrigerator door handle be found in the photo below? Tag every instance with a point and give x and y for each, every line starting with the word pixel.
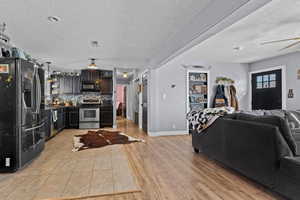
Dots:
pixel 38 95
pixel 39 92
pixel 23 100
pixel 36 127
pixel 34 94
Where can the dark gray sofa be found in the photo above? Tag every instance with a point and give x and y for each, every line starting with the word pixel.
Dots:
pixel 260 147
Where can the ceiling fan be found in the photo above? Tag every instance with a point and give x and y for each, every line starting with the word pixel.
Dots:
pixel 296 39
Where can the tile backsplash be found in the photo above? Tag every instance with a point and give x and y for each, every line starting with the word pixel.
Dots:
pixel 75 99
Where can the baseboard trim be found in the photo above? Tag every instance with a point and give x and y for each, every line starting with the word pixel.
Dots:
pixel 167 133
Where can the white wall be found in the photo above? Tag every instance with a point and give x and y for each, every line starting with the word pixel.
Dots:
pixel 167 115
pixel 292 63
pixel 129 101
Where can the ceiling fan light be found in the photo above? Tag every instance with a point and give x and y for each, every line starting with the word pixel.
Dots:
pixel 93 64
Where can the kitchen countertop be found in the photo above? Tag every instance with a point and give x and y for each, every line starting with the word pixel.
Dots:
pixel 59 107
pixel 78 106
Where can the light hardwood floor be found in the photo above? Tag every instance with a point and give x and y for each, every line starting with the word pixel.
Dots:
pixel 167 169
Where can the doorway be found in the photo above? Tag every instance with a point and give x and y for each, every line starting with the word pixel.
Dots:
pixel 268 89
pixel 121 102
pixel 145 103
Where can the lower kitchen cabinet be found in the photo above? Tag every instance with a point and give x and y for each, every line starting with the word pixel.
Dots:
pixel 55 121
pixel 72 117
pixel 60 123
pixel 106 116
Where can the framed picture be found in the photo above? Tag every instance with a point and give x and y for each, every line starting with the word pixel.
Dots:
pixel 4 68
pixel 298 74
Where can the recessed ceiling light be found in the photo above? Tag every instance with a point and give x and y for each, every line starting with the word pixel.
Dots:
pixel 237 48
pixel 53 19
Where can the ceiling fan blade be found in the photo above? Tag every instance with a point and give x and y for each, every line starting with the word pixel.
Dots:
pixel 276 41
pixel 291 45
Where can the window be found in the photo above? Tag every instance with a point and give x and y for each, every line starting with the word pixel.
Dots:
pixel 266 81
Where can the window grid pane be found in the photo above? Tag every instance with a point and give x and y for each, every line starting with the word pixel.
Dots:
pixel 272 77
pixel 272 84
pixel 259 85
pixel 266 84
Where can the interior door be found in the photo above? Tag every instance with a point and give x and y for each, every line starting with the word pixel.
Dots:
pixel 267 90
pixel 125 103
pixel 145 103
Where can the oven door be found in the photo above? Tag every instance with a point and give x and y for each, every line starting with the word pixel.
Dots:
pixel 89 114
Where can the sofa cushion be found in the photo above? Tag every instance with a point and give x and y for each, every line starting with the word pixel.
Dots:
pixel 294 118
pixel 281 123
pixel 253 112
pixel 290 166
pixel 279 113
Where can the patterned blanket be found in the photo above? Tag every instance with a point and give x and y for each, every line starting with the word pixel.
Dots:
pixel 202 119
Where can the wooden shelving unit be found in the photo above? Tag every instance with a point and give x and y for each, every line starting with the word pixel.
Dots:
pixel 198 96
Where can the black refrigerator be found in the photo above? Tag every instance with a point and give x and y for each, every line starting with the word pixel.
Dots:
pixel 22 113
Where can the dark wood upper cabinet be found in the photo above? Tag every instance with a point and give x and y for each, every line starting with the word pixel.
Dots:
pixel 66 85
pixel 106 86
pixel 90 76
pixel 106 74
pixel 106 83
pixel 100 80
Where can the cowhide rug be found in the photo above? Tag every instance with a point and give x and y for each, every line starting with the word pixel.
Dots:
pixel 101 138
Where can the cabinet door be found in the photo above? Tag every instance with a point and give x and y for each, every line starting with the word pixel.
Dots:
pixel 68 84
pixel 90 75
pixel 76 86
pixel 48 122
pixel 85 75
pixel 61 85
pixel 74 119
pixel 96 75
pixel 106 86
pixel 106 116
pixel 106 74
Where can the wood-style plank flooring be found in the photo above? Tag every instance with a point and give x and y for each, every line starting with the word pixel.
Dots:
pixel 168 169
